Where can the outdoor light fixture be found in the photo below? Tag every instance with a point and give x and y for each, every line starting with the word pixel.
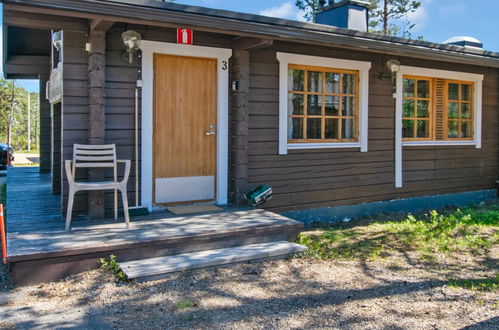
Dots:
pixel 394 67
pixel 57 40
pixel 131 40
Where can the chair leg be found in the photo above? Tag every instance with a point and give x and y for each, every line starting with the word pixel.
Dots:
pixel 70 209
pixel 115 203
pixel 125 206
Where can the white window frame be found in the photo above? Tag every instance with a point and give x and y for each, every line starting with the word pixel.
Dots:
pixel 477 79
pixel 285 59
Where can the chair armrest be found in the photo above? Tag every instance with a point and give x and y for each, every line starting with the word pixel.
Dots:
pixel 127 168
pixel 69 171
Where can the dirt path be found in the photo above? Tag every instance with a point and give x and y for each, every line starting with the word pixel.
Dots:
pixel 401 292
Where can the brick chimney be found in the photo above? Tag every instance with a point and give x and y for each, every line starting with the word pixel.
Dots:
pixel 348 14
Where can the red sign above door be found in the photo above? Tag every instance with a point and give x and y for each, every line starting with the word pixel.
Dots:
pixel 184 36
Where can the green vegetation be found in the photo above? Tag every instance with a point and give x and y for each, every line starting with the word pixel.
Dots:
pixel 14 115
pixel 472 229
pixel 184 304
pixel 110 264
pixel 487 284
pixel 3 193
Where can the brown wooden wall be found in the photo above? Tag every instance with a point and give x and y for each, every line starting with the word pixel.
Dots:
pixel 121 80
pixel 303 178
pixel 329 177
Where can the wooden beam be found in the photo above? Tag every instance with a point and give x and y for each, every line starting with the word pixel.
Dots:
pixel 37 21
pixel 245 43
pixel 240 72
pixel 100 25
pixel 97 119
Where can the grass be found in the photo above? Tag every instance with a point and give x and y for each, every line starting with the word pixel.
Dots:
pixel 487 284
pixel 184 304
pixel 471 229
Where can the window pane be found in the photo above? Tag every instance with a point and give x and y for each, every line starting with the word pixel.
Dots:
pixel 408 108
pixel 423 109
pixel 295 80
pixel 465 110
pixel 348 129
pixel 331 128
pixel 332 105
pixel 295 104
pixel 408 88
pixel 423 129
pixel 453 111
pixel 452 130
pixel 453 91
pixel 332 82
pixel 348 106
pixel 423 88
pixel 348 83
pixel 466 129
pixel 408 128
pixel 465 92
pixel 295 128
pixel 314 81
pixel 314 128
pixel 314 105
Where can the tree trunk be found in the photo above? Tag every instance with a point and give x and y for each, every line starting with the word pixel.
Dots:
pixel 385 17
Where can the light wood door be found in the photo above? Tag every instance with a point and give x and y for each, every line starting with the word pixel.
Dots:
pixel 184 128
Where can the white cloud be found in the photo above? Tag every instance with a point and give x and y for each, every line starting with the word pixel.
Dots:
pixel 420 16
pixel 287 10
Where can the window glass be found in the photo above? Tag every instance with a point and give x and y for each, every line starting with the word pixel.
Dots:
pixel 295 104
pixel 296 80
pixel 314 81
pixel 322 104
pixel 459 110
pixel 416 108
pixel 314 128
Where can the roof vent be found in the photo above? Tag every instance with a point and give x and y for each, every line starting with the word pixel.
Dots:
pixel 348 14
pixel 468 42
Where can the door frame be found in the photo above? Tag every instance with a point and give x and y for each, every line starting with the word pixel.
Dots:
pixel 222 55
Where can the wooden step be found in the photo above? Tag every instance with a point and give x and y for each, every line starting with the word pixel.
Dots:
pixel 159 267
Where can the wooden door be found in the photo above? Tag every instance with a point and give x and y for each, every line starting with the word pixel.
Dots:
pixel 184 128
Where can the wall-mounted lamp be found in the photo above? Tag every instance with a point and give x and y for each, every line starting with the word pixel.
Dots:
pixel 131 40
pixel 394 67
pixel 57 40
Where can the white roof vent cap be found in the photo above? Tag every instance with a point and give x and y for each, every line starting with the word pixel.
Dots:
pixel 464 41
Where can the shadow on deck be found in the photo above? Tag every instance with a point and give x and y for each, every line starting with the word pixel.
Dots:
pixel 40 250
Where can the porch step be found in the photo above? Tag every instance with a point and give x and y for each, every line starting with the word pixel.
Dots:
pixel 159 267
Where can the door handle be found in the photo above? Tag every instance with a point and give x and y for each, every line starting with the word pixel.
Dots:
pixel 212 130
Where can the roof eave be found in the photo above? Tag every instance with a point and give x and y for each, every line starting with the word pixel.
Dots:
pixel 267 29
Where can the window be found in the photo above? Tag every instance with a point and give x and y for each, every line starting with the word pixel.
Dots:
pixel 322 104
pixel 436 109
pixel 459 108
pixel 416 108
pixel 454 116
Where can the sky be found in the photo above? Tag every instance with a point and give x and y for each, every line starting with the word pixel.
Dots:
pixel 436 20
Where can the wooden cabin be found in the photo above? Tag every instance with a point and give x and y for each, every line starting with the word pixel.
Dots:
pixel 330 117
pixel 309 109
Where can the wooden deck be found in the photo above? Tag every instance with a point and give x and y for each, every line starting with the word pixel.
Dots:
pixel 37 240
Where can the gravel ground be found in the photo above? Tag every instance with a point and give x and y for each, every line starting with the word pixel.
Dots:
pixel 399 292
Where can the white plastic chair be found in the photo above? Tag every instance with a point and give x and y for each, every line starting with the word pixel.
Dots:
pixel 97 156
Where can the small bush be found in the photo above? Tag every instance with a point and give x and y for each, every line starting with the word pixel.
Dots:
pixel 110 264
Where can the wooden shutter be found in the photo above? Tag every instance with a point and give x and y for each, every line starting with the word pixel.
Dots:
pixel 440 121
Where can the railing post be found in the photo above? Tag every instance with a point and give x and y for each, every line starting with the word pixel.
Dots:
pixel 3 235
